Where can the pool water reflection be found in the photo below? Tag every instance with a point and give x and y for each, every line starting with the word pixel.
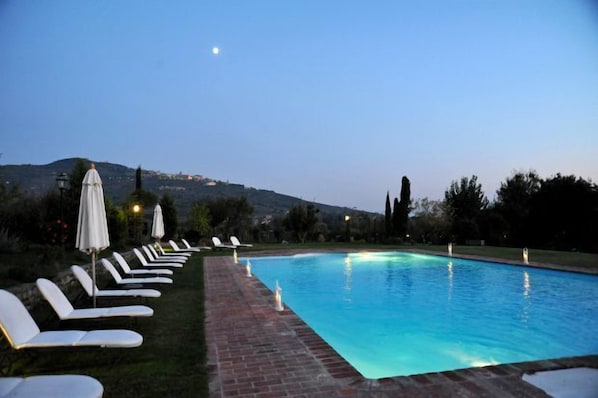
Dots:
pixel 391 314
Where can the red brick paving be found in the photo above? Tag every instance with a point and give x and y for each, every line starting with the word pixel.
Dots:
pixel 255 351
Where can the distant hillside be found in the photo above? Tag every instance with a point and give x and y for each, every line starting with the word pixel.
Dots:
pixel 119 181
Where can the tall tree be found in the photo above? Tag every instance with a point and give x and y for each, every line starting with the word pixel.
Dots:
pixel 388 217
pixel 138 179
pixel 513 200
pixel 301 220
pixel 404 207
pixel 140 196
pixel 465 201
pixel 199 219
pixel 230 215
pixel 396 217
pixel 430 222
pixel 564 214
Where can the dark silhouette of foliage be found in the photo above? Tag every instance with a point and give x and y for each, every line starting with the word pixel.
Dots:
pixel 230 216
pixel 513 202
pixel 564 214
pixel 198 221
pixel 430 222
pixel 396 221
pixel 138 184
pixel 118 227
pixel 404 208
pixel 465 202
pixel 19 216
pixel 301 220
pixel 388 217
pixel 169 215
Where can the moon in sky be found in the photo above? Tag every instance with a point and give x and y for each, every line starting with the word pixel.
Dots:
pixel 215 50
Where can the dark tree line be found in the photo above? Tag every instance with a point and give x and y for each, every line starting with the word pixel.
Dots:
pixel 559 213
pixel 26 219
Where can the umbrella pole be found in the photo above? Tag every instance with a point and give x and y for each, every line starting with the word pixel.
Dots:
pixel 93 271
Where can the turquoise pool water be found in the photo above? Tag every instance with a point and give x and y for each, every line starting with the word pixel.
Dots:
pixel 391 314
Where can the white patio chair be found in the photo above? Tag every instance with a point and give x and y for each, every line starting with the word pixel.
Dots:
pixel 119 280
pixel 152 256
pixel 171 254
pixel 177 249
pixel 85 281
pixel 124 266
pixel 219 245
pixel 189 247
pixel 65 310
pixel 235 241
pixel 22 332
pixel 144 262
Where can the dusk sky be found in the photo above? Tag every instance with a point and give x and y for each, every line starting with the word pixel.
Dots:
pixel 332 101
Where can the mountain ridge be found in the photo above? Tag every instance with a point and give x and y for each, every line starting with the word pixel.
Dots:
pixel 185 189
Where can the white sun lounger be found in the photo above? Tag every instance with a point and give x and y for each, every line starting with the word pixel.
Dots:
pixel 87 284
pixel 219 245
pixel 124 266
pixel 235 241
pixel 146 263
pixel 189 247
pixel 22 332
pixel 177 249
pixel 54 386
pixel 119 280
pixel 174 254
pixel 65 311
pixel 153 257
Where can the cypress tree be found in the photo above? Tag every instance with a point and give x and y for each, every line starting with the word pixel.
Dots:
pixel 138 179
pixel 404 207
pixel 396 218
pixel 387 217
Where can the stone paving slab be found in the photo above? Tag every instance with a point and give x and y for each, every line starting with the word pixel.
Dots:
pixel 255 351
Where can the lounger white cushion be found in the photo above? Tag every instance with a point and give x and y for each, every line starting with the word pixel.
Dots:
pixel 177 249
pixel 189 247
pixel 21 331
pixel 65 311
pixel 179 257
pixel 153 257
pixel 124 266
pixel 219 245
pixel 235 241
pixel 167 254
pixel 145 263
pixel 55 386
pixel 87 284
pixel 130 281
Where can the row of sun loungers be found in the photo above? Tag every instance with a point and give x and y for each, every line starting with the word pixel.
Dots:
pixel 234 243
pixel 23 333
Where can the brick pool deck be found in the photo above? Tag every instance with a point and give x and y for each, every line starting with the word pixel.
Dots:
pixel 255 351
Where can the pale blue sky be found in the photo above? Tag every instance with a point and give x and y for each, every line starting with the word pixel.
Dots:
pixel 332 101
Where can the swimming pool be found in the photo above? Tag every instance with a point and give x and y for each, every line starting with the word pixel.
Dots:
pixel 393 313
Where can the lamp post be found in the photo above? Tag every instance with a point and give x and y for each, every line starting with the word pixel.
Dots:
pixel 347 219
pixel 136 211
pixel 61 182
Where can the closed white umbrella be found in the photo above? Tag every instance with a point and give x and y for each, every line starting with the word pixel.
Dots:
pixel 92 227
pixel 158 223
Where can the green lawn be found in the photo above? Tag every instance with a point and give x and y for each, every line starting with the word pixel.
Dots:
pixel 586 260
pixel 169 363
